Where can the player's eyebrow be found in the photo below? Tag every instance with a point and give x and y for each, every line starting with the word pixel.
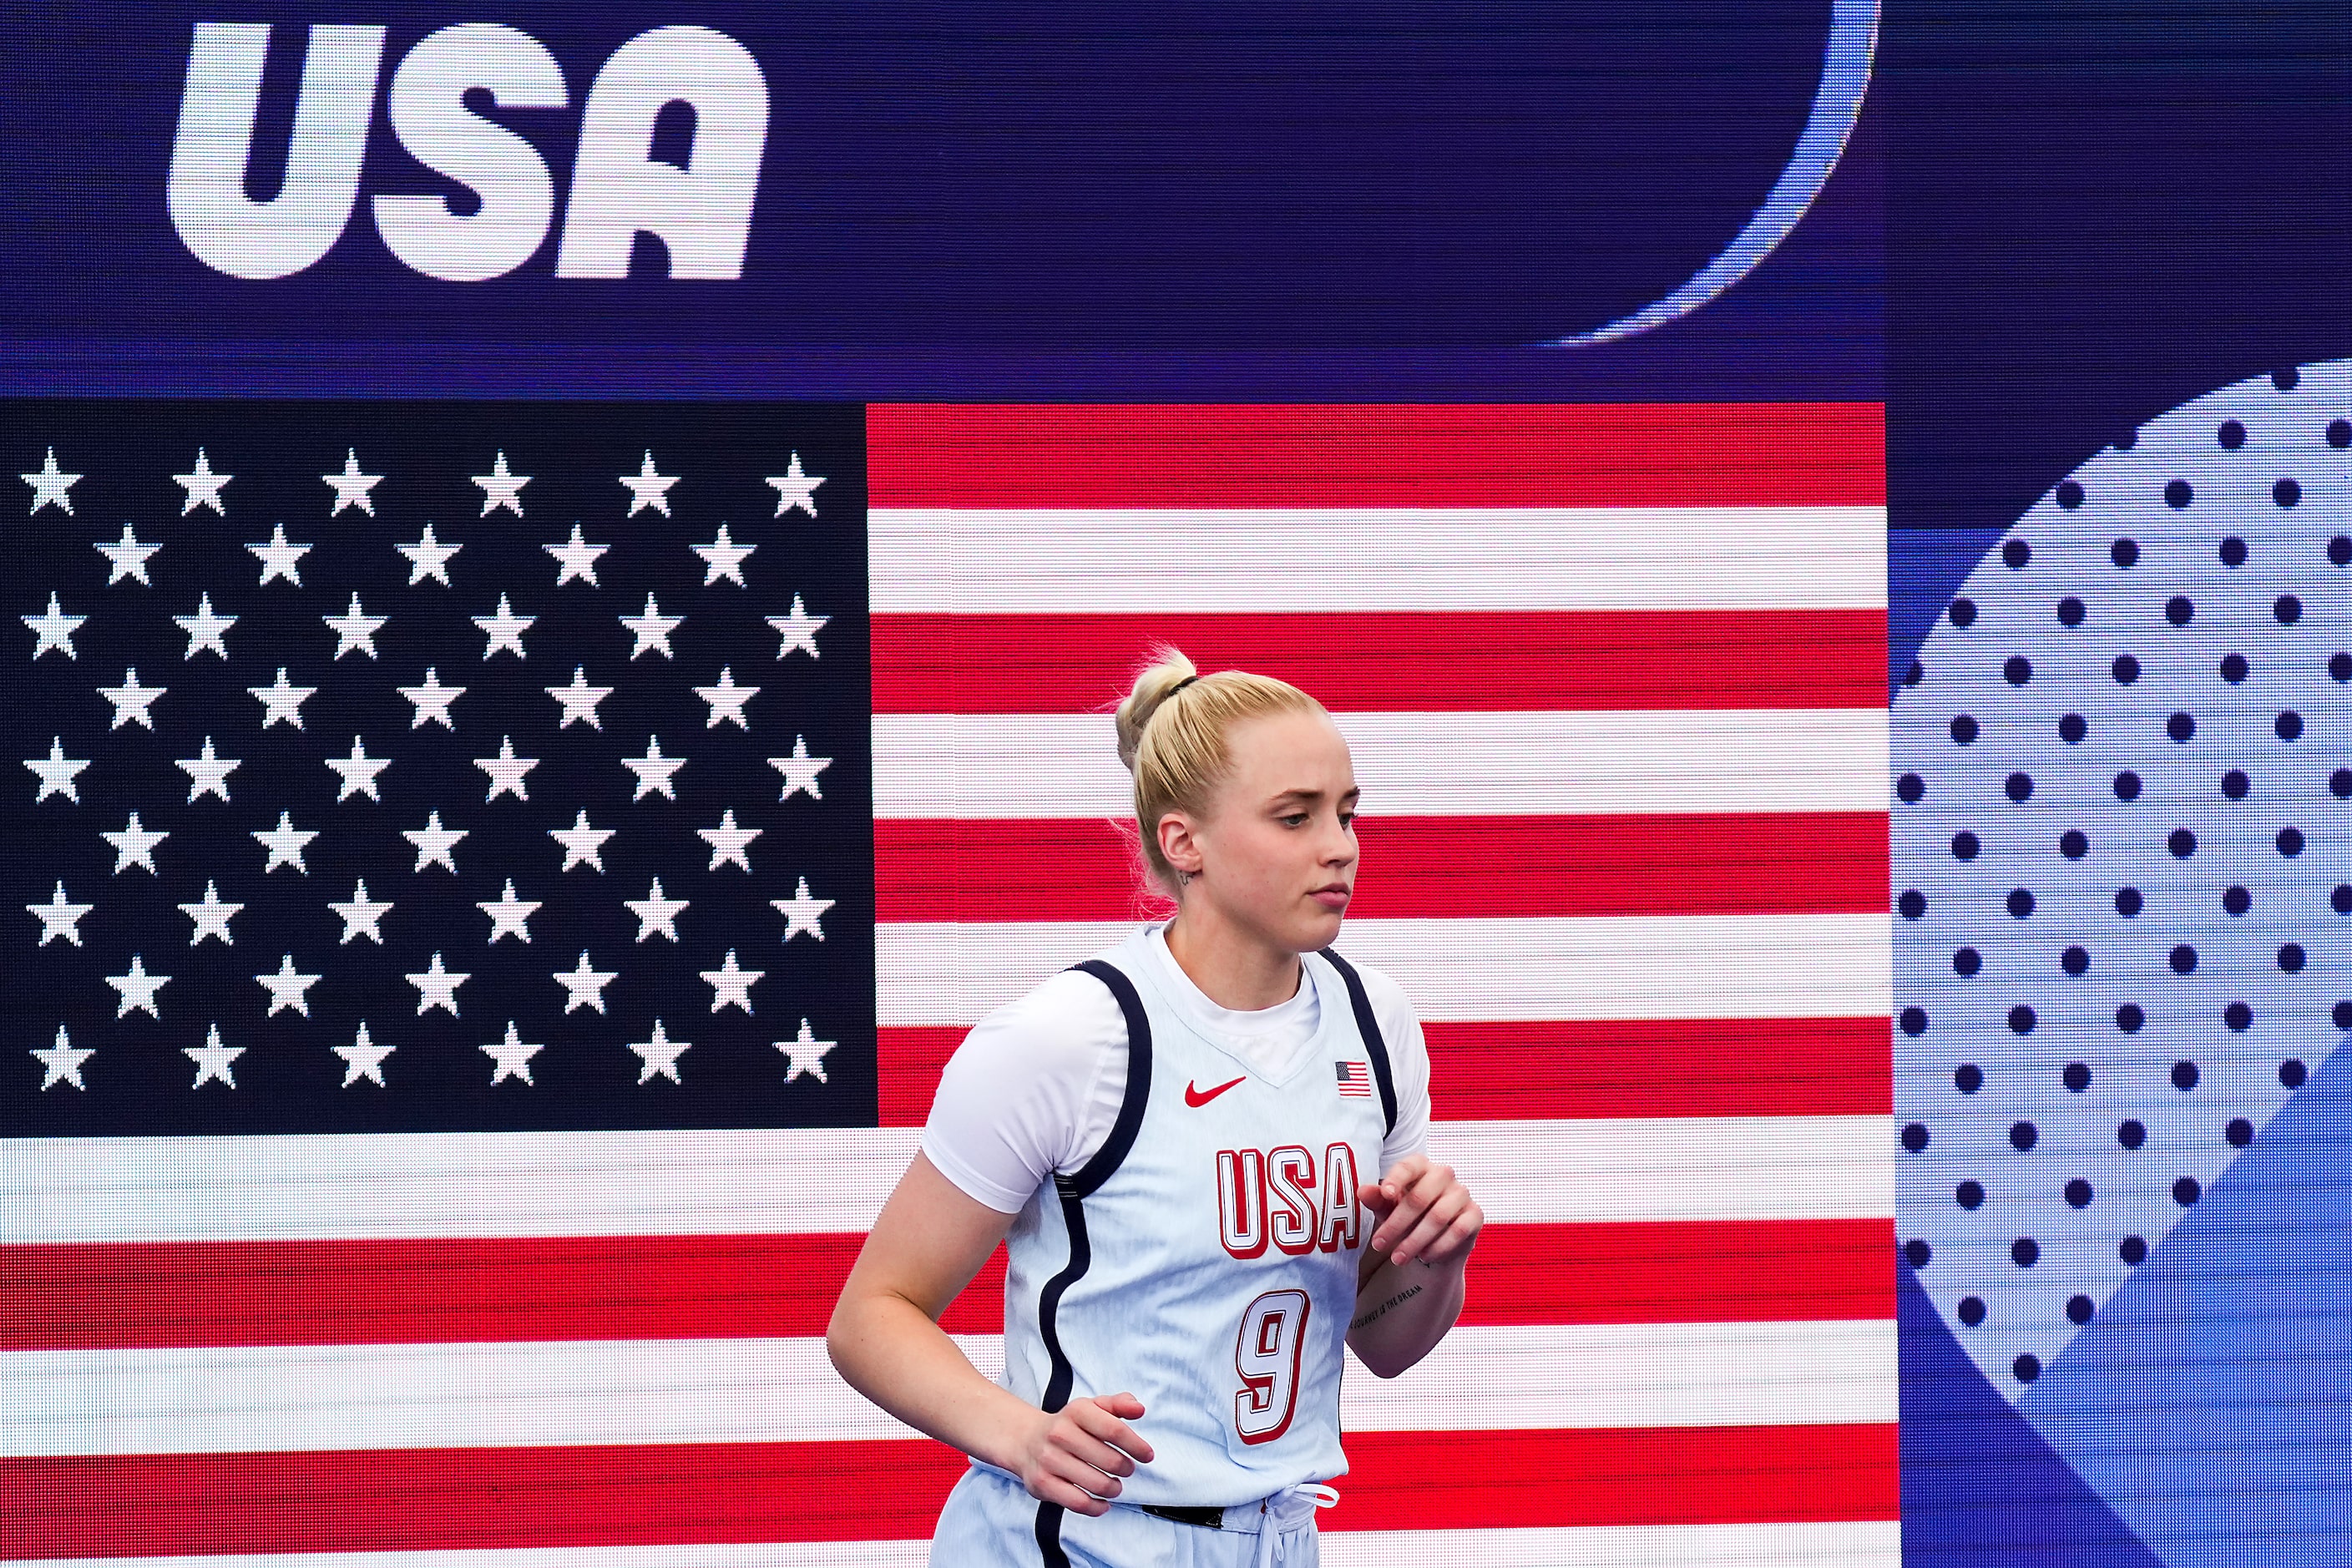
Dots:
pixel 1311 796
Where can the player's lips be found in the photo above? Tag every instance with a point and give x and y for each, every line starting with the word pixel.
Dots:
pixel 1334 896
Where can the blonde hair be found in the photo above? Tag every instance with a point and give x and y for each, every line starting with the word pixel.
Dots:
pixel 1173 736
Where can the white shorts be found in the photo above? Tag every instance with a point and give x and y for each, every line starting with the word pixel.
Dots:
pixel 991 1521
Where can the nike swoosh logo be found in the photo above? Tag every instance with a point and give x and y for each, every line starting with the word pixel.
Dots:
pixel 1197 1097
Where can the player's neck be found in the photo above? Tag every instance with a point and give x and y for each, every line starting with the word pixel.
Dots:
pixel 1236 969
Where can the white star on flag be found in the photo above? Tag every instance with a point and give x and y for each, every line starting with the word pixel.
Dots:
pixel 285 843
pixel 126 558
pixel 351 487
pixel 504 629
pixel 50 487
pixel 358 772
pixel 806 1053
pixel 206 631
pixel 428 557
pixel 355 629
pixel 730 983
pixel 583 844
pixel 727 842
pixel 798 630
pixel 204 486
pixel 432 701
pixel 648 488
pixel 580 699
pixel 438 987
pixel 61 1063
pixel 656 914
pixel 137 990
pixel 501 487
pixel 659 1055
pixel 57 772
pixel 795 488
pixel 800 770
pixel 211 916
pixel 653 771
pixel 363 1058
pixel 434 842
pixel 727 700
pixel 361 915
pixel 583 986
pixel 287 989
pixel 506 771
pixel 723 558
pixel 213 1058
pixel 653 629
pixel 802 912
pixel 207 774
pixel 134 846
pixel 508 914
pixel 576 559
pixel 511 1054
pixel 279 559
pixel 131 701
pixel 53 629
pixel 59 918
pixel 281 701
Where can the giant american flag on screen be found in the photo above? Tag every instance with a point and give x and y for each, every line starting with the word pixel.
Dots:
pixel 738 758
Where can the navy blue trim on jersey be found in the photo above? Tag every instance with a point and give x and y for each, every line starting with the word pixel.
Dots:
pixel 1369 1028
pixel 1097 1171
pixel 1073 1190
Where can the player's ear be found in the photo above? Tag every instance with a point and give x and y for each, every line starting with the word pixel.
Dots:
pixel 1178 845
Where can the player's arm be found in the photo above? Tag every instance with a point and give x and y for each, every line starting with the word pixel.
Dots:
pixel 1409 1278
pixel 884 1339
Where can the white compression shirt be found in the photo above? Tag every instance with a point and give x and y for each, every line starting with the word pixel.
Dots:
pixel 1035 1086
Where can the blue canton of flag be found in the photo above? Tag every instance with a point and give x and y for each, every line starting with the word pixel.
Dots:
pixel 438 767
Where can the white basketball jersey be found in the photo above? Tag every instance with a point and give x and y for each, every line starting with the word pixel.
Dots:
pixel 1205 1259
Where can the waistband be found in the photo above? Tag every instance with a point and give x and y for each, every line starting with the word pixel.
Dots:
pixel 1279 1513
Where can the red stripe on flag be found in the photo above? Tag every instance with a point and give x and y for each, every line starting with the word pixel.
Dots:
pixel 1663 1475
pixel 1541 1071
pixel 1659 1067
pixel 1378 455
pixel 521 1498
pixel 1396 662
pixel 1081 868
pixel 151 1295
pixel 443 1290
pixel 1683 1271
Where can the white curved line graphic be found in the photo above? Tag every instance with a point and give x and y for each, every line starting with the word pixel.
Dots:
pixel 1846 76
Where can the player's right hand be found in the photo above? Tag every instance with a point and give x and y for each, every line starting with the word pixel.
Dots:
pixel 1074 1455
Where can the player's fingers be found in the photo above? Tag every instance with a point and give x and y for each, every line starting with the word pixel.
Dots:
pixel 1055 1488
pixel 1097 1421
pixel 1430 1223
pixel 1093 1453
pixel 1452 1241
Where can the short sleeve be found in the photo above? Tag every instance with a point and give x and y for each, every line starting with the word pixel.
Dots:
pixel 1032 1090
pixel 1408 1065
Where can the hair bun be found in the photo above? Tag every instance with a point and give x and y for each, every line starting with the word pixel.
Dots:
pixel 1158 682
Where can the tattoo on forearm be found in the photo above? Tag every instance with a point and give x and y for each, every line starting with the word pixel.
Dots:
pixel 1398 1300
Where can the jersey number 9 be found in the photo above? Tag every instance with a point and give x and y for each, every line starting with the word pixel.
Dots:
pixel 1265 1353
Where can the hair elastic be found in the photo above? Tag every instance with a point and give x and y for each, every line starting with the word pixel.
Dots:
pixel 1180 686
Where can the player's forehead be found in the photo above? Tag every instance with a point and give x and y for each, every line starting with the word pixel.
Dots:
pixel 1296 754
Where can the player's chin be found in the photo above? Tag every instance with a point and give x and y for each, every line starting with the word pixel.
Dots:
pixel 1316 928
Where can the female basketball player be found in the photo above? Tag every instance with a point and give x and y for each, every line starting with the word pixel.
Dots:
pixel 1203 1149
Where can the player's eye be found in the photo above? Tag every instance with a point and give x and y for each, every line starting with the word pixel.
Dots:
pixel 1294 819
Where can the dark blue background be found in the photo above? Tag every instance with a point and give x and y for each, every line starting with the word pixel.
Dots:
pixel 1004 174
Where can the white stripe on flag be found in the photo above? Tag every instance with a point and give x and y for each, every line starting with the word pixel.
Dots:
pixel 1422 764
pixel 938 973
pixel 1867 1543
pixel 254 1399
pixel 1183 559
pixel 760 1182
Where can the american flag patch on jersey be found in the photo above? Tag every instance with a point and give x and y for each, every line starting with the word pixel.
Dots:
pixel 1355 1079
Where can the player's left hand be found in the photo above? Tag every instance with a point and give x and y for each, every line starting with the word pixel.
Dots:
pixel 1422 1210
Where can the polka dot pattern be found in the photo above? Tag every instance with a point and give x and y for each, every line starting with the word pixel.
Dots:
pixel 2120 829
